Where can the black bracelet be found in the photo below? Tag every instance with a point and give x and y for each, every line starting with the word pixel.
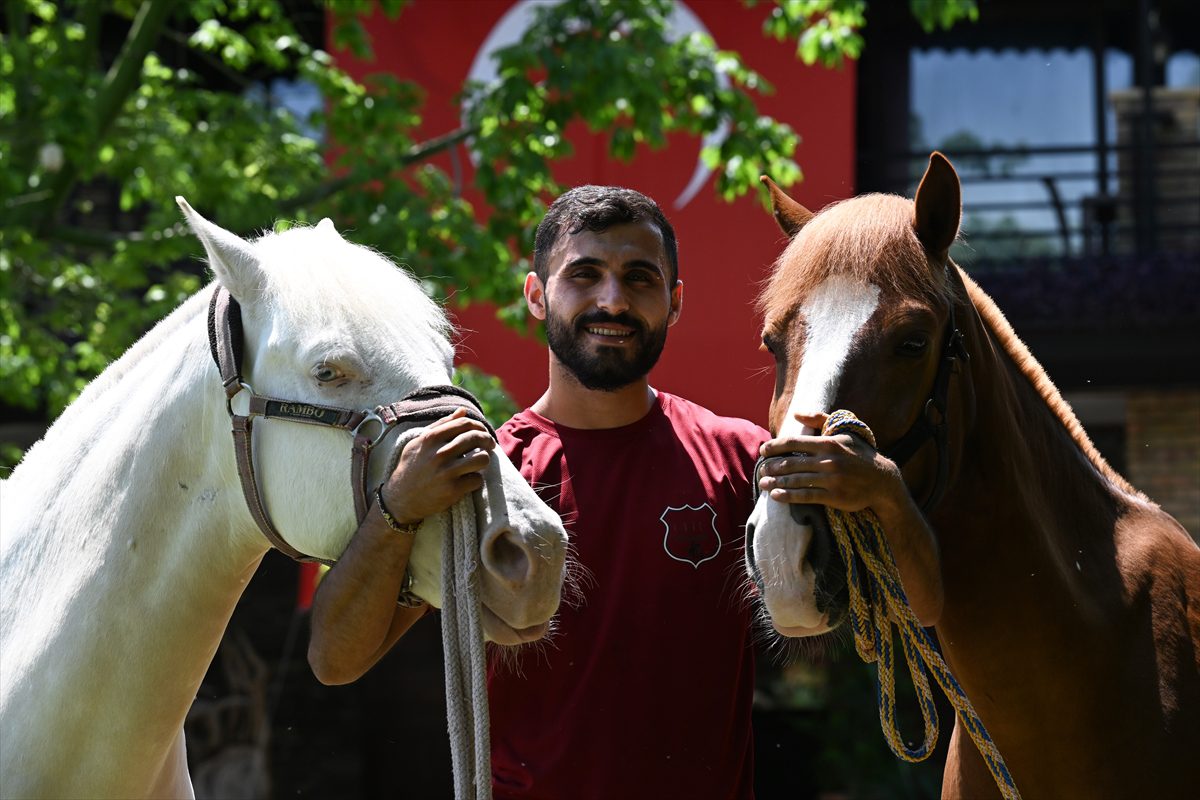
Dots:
pixel 409 528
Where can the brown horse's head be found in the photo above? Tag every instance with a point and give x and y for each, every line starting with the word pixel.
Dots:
pixel 857 315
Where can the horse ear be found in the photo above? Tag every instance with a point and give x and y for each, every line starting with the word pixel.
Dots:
pixel 938 207
pixel 790 215
pixel 231 257
pixel 326 226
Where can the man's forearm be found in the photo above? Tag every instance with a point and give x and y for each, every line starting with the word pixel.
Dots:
pixel 354 615
pixel 917 556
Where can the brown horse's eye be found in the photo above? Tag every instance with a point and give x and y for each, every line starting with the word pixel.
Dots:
pixel 766 345
pixel 913 346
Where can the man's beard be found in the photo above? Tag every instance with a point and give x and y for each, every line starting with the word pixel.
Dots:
pixel 608 368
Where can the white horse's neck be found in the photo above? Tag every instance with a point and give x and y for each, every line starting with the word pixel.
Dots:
pixel 131 511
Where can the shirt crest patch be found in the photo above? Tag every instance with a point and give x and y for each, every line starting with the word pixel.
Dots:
pixel 691 533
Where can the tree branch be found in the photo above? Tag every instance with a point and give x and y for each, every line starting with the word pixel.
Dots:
pixel 437 144
pixel 86 237
pixel 118 84
pixel 89 52
pixel 232 75
pixel 416 153
pixel 102 240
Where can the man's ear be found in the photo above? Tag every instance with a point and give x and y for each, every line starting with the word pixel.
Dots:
pixel 535 295
pixel 676 304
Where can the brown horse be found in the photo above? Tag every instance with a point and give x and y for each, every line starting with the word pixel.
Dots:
pixel 1071 609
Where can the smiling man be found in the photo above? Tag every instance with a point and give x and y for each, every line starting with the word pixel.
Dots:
pixel 645 687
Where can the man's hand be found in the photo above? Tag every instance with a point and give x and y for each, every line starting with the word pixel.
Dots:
pixel 355 618
pixel 846 473
pixel 438 467
pixel 842 472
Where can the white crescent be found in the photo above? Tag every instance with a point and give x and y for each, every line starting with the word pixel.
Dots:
pixel 509 28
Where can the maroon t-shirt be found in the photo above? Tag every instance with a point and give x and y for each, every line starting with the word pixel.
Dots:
pixel 644 690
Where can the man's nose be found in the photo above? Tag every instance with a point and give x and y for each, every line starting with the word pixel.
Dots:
pixel 611 296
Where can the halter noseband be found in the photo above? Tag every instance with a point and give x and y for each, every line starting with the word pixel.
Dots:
pixel 422 406
pixel 931 423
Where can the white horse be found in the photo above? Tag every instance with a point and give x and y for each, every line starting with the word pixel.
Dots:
pixel 125 539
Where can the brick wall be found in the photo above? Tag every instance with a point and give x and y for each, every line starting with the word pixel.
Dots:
pixel 1163 451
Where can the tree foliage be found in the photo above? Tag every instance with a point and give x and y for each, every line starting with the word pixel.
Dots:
pixel 96 140
pixel 830 31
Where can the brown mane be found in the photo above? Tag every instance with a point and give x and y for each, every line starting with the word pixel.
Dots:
pixel 1008 340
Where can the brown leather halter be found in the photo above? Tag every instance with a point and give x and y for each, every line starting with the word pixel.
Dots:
pixel 932 422
pixel 420 407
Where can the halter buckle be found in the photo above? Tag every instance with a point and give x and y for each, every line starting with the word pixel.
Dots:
pixel 956 347
pixel 242 387
pixel 371 416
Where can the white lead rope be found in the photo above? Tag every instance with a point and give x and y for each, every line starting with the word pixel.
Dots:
pixel 463 650
pixel 466 663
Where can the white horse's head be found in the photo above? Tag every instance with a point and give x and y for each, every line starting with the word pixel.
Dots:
pixel 332 323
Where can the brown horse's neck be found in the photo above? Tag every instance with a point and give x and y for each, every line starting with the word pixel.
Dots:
pixel 1065 616
pixel 1020 414
pixel 1032 496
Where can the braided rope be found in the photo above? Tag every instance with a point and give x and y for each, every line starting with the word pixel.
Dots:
pixel 464 650
pixel 877 601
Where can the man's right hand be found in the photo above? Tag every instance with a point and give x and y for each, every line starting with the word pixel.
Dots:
pixel 355 618
pixel 438 467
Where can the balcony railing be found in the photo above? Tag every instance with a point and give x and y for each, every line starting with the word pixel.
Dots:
pixel 1071 201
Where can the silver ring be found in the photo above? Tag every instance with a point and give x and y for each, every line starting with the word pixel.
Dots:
pixel 371 416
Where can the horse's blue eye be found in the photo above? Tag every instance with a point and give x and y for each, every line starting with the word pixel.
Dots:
pixel 325 373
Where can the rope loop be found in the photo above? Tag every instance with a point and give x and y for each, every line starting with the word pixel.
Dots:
pixel 877 602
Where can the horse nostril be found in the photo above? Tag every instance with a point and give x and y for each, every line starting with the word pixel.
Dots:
pixel 506 556
pixel 751 560
pixel 813 516
pixel 824 558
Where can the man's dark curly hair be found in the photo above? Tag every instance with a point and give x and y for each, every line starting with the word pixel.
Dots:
pixel 598 208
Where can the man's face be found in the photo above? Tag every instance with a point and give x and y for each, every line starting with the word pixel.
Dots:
pixel 608 303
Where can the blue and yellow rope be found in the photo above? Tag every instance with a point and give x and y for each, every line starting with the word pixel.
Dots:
pixel 876 599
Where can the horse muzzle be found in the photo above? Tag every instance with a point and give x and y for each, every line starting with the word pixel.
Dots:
pixel 522 548
pixel 832 595
pixel 792 557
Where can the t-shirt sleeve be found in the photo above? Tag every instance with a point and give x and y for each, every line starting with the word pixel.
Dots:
pixel 743 439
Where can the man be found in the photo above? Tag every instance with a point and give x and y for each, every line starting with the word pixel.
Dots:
pixel 645 687
pixel 645 690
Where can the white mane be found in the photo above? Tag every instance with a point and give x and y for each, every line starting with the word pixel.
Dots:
pixel 341 269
